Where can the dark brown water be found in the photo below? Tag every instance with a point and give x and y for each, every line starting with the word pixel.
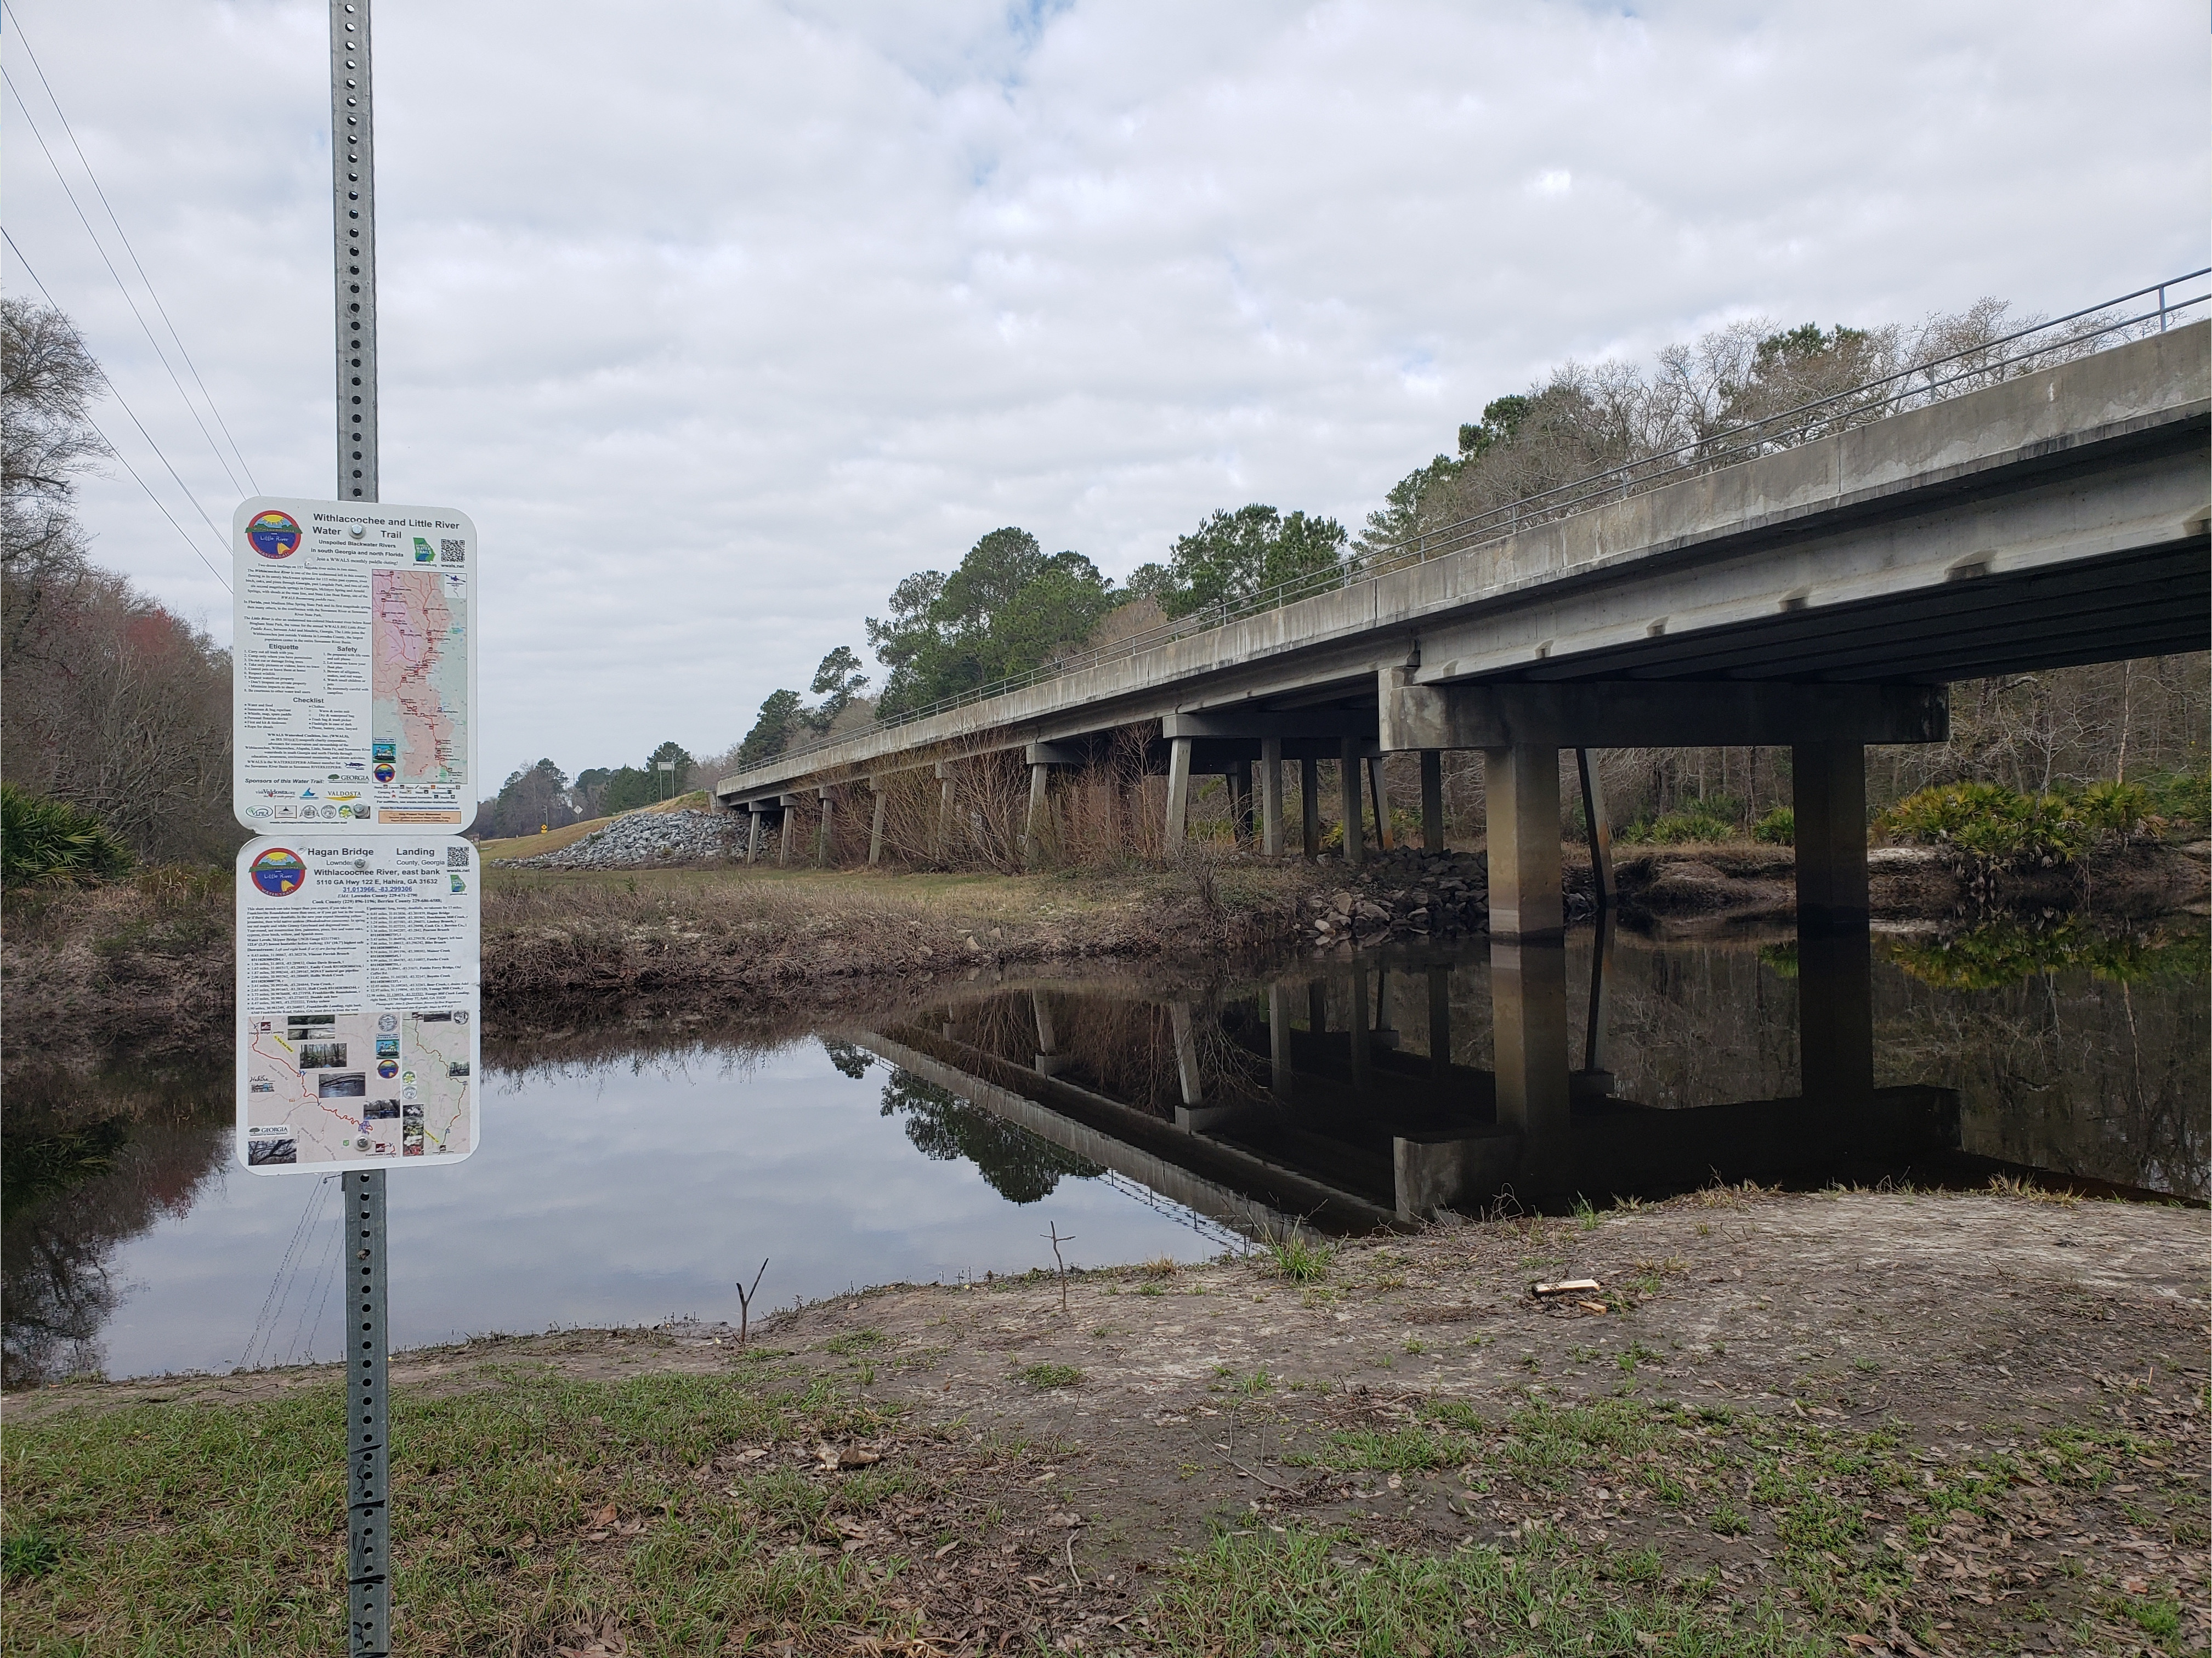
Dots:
pixel 630 1177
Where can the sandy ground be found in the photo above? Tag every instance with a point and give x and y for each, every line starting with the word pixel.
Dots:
pixel 1224 1395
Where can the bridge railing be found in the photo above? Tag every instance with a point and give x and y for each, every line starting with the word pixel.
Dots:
pixel 2040 345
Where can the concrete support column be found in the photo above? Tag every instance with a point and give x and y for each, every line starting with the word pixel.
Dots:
pixel 876 826
pixel 1600 829
pixel 1835 989
pixel 1278 1037
pixel 1050 1062
pixel 1239 780
pixel 790 833
pixel 1357 1029
pixel 1432 800
pixel 1310 807
pixel 1521 804
pixel 1529 1012
pixel 1348 772
pixel 1178 795
pixel 1596 1075
pixel 1186 1047
pixel 1271 796
pixel 1439 1020
pixel 753 837
pixel 1032 836
pixel 822 831
pixel 1527 958
pixel 1383 839
pixel 944 812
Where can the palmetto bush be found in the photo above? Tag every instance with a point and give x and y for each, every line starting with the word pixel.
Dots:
pixel 42 839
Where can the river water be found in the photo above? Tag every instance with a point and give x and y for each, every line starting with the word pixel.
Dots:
pixel 635 1176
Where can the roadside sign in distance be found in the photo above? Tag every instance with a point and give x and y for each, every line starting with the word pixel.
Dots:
pixel 355 667
pixel 358 1042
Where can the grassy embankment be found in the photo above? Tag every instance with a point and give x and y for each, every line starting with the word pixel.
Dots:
pixel 1379 1447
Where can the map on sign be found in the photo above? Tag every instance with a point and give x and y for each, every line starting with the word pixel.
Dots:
pixel 418 669
pixel 353 673
pixel 325 1088
pixel 358 990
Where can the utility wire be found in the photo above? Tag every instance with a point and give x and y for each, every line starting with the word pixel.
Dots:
pixel 152 292
pixel 99 248
pixel 134 420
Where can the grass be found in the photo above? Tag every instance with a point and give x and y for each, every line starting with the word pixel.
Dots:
pixel 1311 1591
pixel 1051 1375
pixel 522 1512
pixel 1300 1259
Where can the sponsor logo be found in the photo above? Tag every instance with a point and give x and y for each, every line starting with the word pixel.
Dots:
pixel 424 552
pixel 278 872
pixel 387 1068
pixel 385 771
pixel 257 811
pixel 273 534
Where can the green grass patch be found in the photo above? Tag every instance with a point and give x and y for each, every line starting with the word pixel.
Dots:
pixel 183 1529
pixel 1050 1375
pixel 1312 1592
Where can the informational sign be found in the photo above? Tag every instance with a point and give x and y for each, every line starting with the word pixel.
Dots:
pixel 354 666
pixel 358 996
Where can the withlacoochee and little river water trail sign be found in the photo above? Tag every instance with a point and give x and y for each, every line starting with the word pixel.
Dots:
pixel 359 990
pixel 354 763
pixel 355 667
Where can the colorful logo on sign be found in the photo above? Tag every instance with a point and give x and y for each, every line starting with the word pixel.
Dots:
pixel 387 1067
pixel 273 534
pixel 278 872
pixel 424 552
pixel 385 771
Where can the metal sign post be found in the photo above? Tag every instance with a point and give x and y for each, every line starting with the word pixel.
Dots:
pixel 353 217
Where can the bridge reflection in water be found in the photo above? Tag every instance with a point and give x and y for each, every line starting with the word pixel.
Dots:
pixel 1349 1095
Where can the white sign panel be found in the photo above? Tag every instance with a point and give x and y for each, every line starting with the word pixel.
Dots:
pixel 358 995
pixel 355 666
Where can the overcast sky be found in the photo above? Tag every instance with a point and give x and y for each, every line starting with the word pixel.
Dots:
pixel 721 318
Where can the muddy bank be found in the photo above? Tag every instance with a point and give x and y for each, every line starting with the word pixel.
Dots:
pixel 1895 1423
pixel 140 972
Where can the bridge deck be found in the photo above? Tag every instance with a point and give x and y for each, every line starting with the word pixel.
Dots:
pixel 2058 518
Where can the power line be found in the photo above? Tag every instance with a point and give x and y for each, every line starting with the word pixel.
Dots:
pixel 106 440
pixel 152 293
pixel 144 328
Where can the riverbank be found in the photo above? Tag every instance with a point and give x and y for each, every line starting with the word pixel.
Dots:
pixel 139 971
pixel 1894 1423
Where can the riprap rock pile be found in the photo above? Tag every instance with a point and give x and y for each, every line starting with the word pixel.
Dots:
pixel 644 837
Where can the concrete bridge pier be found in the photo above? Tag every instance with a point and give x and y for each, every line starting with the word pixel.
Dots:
pixel 753 836
pixel 1271 796
pixel 876 822
pixel 790 831
pixel 1527 957
pixel 822 829
pixel 1835 1021
pixel 1310 807
pixel 1348 775
pixel 1432 800
pixel 1178 793
pixel 944 844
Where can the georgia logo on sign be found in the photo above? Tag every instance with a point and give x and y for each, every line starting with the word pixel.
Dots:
pixel 273 534
pixel 278 872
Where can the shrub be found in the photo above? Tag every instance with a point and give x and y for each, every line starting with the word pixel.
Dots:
pixel 43 839
pixel 1991 824
pixel 1674 828
pixel 1778 829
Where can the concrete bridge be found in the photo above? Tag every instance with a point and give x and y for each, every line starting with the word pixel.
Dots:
pixel 1821 597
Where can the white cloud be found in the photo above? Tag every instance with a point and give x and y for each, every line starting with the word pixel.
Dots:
pixel 721 317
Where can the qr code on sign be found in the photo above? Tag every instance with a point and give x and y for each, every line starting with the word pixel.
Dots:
pixel 457 857
pixel 452 551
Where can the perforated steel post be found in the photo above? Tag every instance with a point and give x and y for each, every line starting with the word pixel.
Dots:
pixel 353 181
pixel 369 1541
pixel 353 201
